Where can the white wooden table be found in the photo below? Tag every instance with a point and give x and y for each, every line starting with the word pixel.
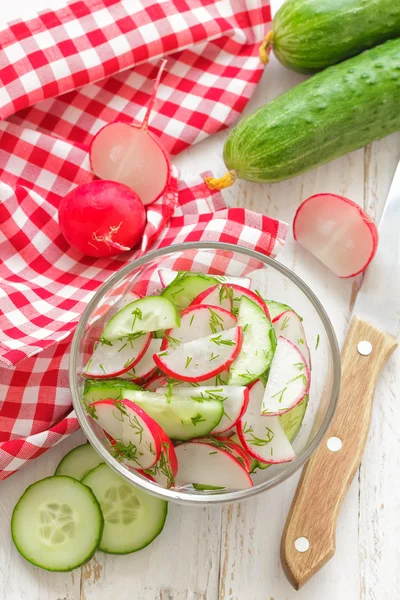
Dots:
pixel 232 553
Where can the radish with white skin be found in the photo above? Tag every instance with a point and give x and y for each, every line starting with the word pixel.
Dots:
pixel 258 344
pixel 146 367
pixel 288 379
pixel 147 314
pixel 114 358
pixel 197 322
pixel 234 399
pixel 136 434
pixel 206 464
pixel 289 326
pixel 338 232
pixel 131 155
pixel 167 276
pixel 203 358
pixel 263 437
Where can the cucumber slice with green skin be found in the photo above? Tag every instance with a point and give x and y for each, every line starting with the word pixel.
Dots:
pixel 217 295
pixel 258 347
pixel 144 315
pixel 132 518
pixel 96 389
pixel 277 308
pixel 184 288
pixel 203 488
pixel 197 322
pixel 78 462
pixel 167 276
pixel 238 292
pixel 57 524
pixel 113 358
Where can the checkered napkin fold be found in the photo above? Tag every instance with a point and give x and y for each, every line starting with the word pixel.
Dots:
pixel 110 50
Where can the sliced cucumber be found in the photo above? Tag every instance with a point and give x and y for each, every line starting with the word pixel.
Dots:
pixel 57 524
pixel 78 462
pixel 258 347
pixel 107 388
pixel 147 314
pixel 185 287
pixel 277 308
pixel 132 518
pixel 292 420
pixel 201 488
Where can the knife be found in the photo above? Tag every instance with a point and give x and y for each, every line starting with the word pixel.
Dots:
pixel 309 537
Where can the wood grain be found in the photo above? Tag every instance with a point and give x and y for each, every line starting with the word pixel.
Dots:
pixel 327 476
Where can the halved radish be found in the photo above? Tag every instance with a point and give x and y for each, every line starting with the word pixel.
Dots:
pixel 197 322
pixel 146 366
pixel 113 358
pixel 166 468
pixel 206 464
pixel 217 295
pixel 338 232
pixel 136 434
pixel 263 437
pixel 167 276
pixel 288 380
pixel 147 314
pixel 130 154
pixel 258 344
pixel 289 326
pixel 201 359
pixel 234 399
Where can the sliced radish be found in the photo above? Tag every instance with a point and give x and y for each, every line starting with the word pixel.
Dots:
pixel 113 358
pixel 258 344
pixel 288 325
pixel 218 380
pixel 201 359
pixel 167 276
pixel 132 155
pixel 229 445
pixel 166 468
pixel 263 437
pixel 277 308
pixel 217 295
pixel 239 292
pixel 136 434
pixel 186 286
pixel 206 464
pixel 234 399
pixel 338 232
pixel 144 315
pixel 197 322
pixel 253 462
pixel 154 383
pixel 288 380
pixel 146 366
pixel 129 297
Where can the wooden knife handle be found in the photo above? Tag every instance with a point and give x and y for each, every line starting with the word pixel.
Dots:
pixel 328 474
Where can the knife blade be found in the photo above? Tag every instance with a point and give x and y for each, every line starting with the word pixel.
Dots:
pixel 309 538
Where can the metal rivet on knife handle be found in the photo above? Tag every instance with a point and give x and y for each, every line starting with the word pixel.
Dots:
pixel 364 348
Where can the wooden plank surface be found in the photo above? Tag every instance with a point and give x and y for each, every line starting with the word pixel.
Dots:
pixel 232 553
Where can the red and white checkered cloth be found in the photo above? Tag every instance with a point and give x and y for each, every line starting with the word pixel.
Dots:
pixel 211 72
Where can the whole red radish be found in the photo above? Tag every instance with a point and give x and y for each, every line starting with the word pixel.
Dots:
pixel 102 218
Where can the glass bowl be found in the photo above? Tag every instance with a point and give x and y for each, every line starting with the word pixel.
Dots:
pixel 273 281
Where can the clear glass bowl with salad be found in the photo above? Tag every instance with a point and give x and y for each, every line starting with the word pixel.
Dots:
pixel 205 373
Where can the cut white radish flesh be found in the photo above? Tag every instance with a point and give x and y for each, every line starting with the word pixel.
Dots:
pixel 258 344
pixel 113 358
pixel 203 358
pixel 290 327
pixel 217 295
pixel 263 437
pixel 288 380
pixel 167 276
pixel 136 434
pixel 229 445
pixel 234 399
pixel 207 464
pixel 253 462
pixel 154 383
pixel 197 322
pixel 146 366
pixel 166 468
pixel 338 232
pixel 144 315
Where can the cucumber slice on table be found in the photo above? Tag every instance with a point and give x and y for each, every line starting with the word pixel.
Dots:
pixel 78 462
pixel 132 518
pixel 186 286
pixel 57 524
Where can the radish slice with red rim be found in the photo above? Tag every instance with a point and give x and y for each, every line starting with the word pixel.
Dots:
pixel 288 379
pixel 217 295
pixel 137 435
pixel 197 322
pixel 263 437
pixel 338 232
pixel 207 464
pixel 166 468
pixel 112 358
pixel 146 367
pixel 288 325
pixel 230 446
pixel 154 383
pixel 203 358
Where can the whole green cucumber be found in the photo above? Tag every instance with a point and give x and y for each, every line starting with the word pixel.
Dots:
pixel 309 35
pixel 334 112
